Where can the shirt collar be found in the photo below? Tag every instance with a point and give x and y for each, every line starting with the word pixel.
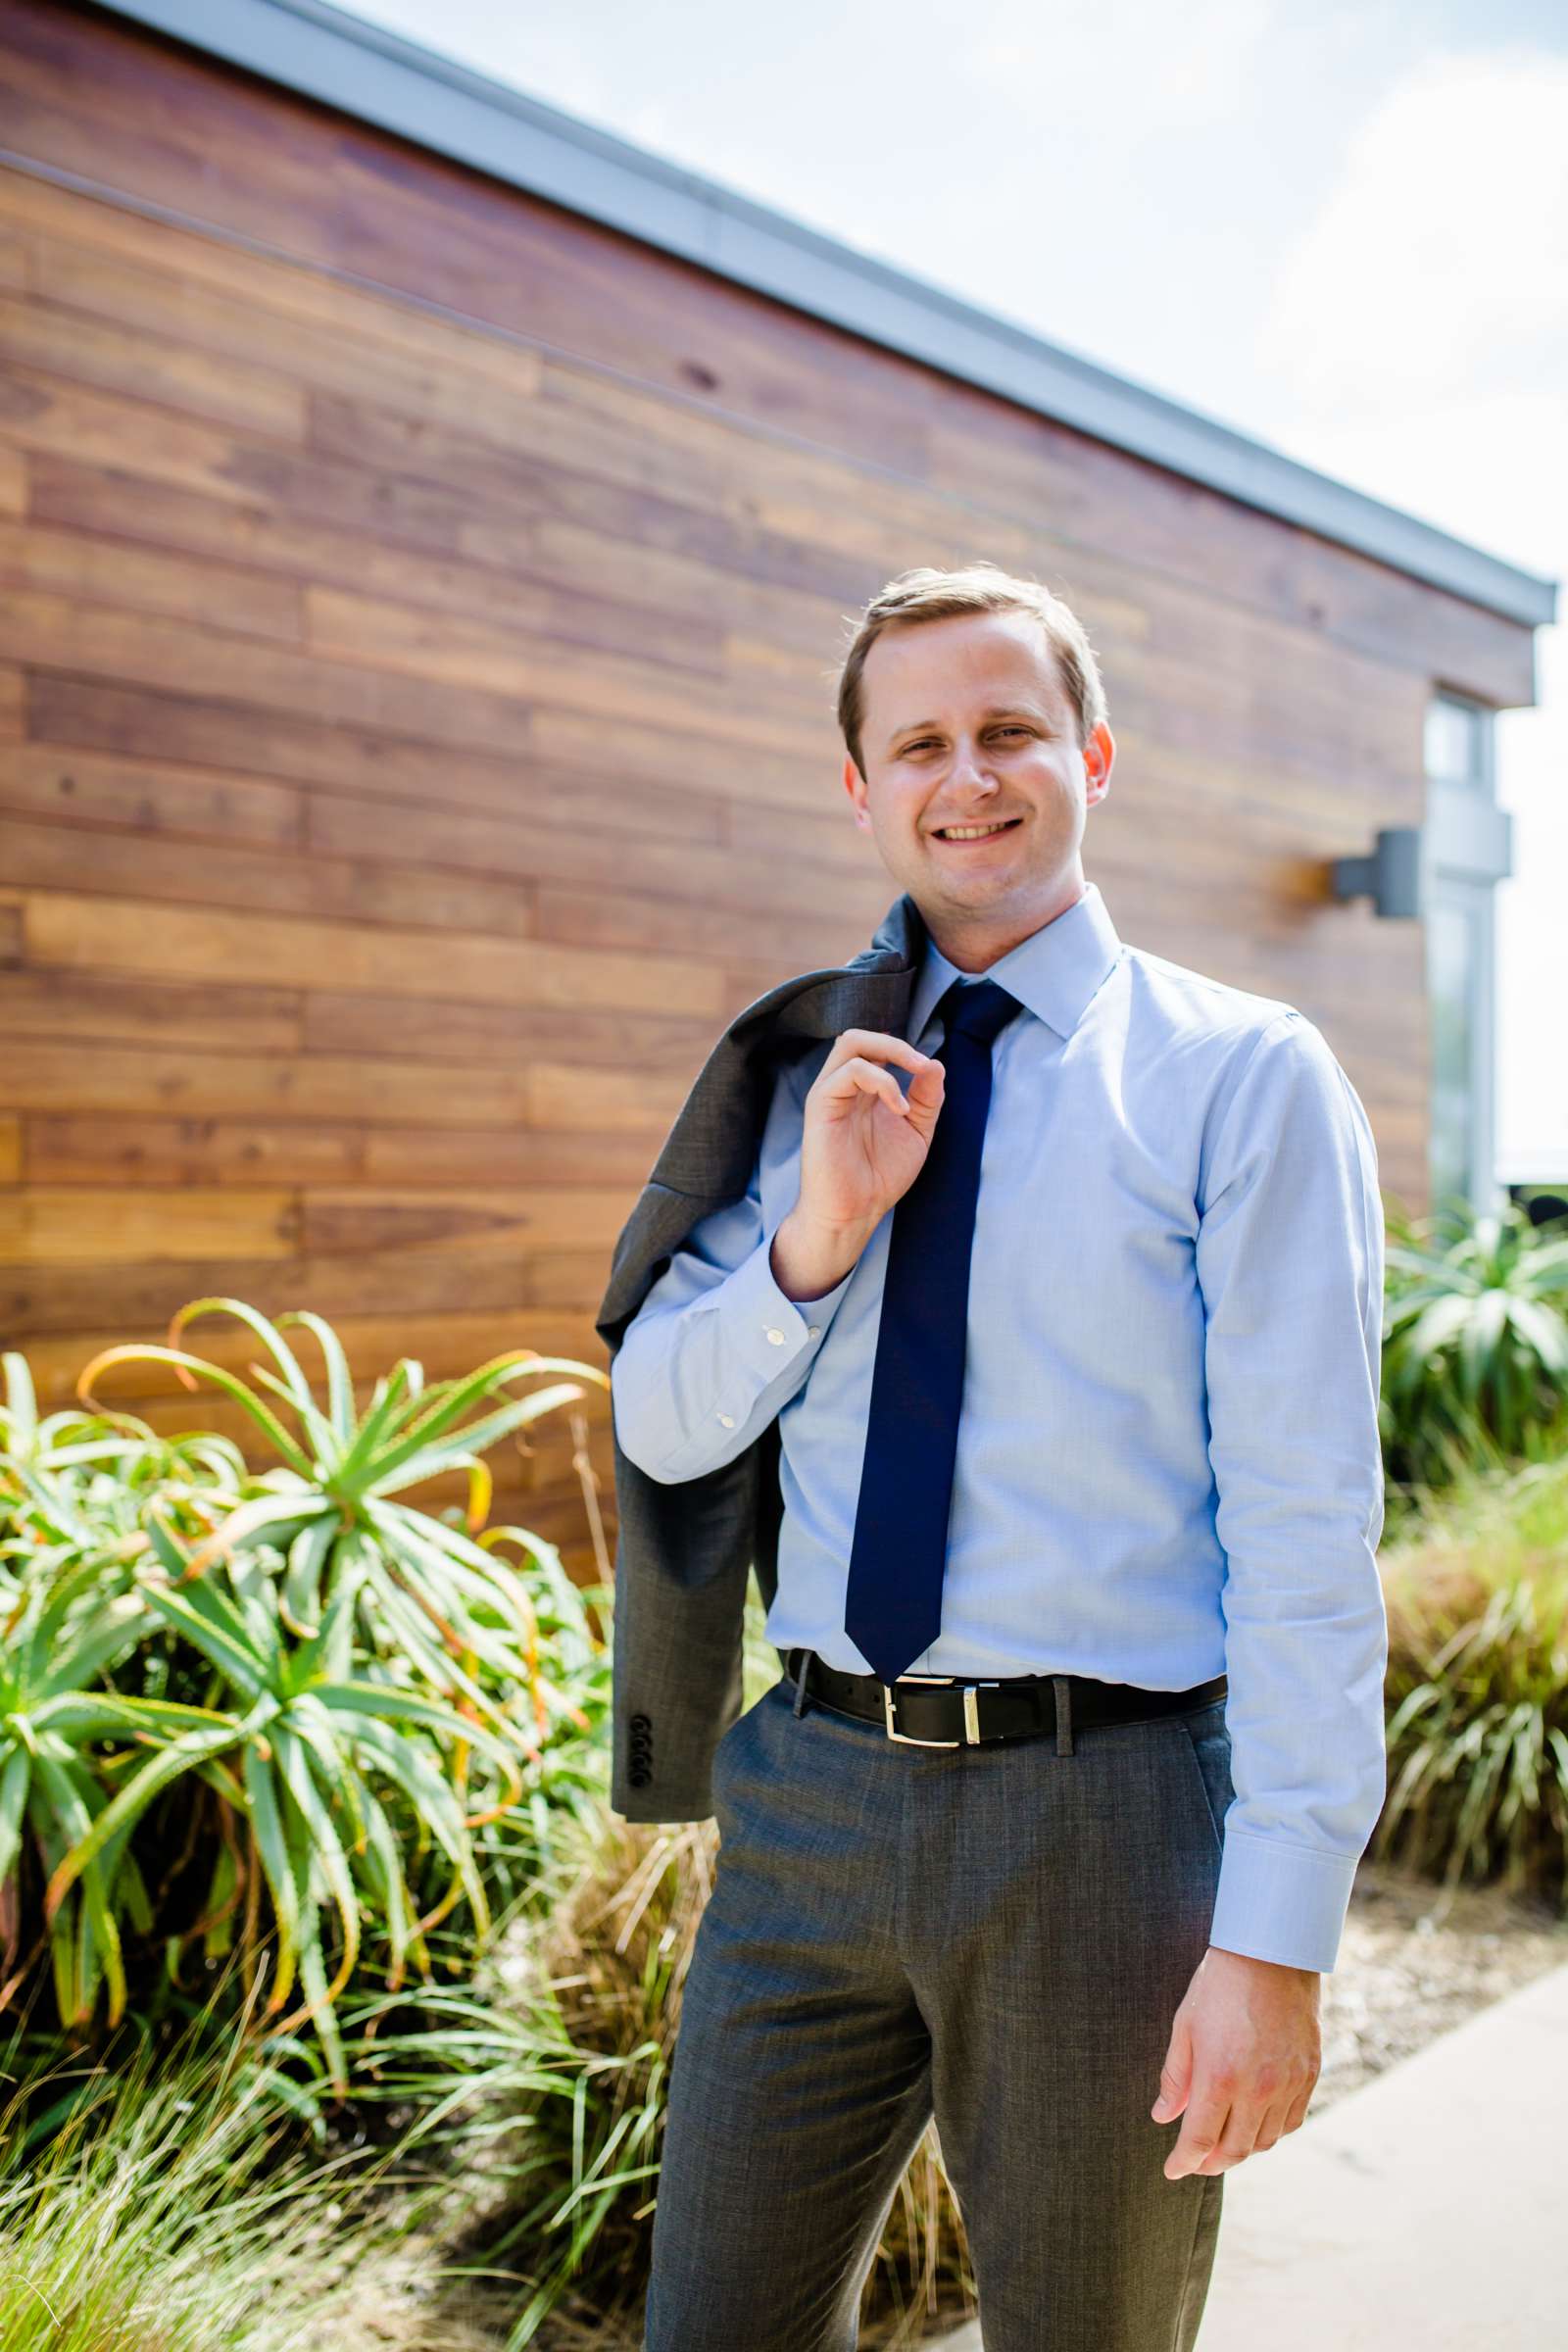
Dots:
pixel 1054 973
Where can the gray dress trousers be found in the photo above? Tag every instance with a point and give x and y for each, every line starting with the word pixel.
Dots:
pixel 1000 1935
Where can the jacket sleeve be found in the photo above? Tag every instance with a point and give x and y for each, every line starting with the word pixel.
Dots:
pixel 716 1350
pixel 1290 1259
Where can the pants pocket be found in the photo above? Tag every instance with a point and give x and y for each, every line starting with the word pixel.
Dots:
pixel 1211 1744
pixel 729 1741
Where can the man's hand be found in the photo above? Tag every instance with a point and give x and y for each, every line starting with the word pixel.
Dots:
pixel 1245 2054
pixel 863 1140
pixel 862 1144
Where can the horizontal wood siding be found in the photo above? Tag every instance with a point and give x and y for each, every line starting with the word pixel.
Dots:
pixel 421 615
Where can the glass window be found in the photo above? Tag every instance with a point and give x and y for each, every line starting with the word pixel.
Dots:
pixel 1456 740
pixel 1461 916
pixel 1453 950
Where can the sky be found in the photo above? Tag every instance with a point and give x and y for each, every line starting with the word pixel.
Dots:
pixel 1342 229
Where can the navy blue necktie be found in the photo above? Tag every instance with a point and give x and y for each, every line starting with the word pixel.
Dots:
pixel 894 1607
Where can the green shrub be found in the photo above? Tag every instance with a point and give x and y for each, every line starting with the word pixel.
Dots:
pixel 1475 1349
pixel 1477 1687
pixel 285 1714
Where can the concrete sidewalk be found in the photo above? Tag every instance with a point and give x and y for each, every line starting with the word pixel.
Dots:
pixel 1422 2213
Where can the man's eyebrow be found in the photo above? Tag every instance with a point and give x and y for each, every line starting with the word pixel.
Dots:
pixel 918 726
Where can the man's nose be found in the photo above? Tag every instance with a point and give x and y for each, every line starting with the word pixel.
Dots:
pixel 969 769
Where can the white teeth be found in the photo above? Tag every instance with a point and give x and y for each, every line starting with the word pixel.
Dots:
pixel 972 832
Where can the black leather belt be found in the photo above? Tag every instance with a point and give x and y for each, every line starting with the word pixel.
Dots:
pixel 924 1710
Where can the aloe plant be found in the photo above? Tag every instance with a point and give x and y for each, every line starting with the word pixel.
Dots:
pixel 346 1665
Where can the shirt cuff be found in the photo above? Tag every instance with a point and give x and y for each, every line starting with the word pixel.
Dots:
pixel 767 1328
pixel 1281 1902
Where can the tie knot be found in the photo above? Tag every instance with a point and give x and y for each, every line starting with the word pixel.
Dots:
pixel 979 1008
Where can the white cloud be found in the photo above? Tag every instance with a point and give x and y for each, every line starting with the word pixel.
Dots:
pixel 1195 64
pixel 1421 325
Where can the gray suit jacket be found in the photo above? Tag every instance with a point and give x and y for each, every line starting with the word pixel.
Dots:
pixel 684 1553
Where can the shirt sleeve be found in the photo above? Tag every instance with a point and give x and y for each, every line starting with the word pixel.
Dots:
pixel 1290 1257
pixel 717 1348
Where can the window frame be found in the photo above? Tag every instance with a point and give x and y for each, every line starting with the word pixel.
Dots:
pixel 1458 878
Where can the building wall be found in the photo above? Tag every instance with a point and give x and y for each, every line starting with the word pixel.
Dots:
pixel 421 613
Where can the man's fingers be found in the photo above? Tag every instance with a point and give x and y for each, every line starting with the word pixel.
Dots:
pixel 875 1044
pixel 1207 2117
pixel 1296 2115
pixel 1235 2144
pixel 1173 2080
pixel 1176 2075
pixel 1273 2128
pixel 858 1076
pixel 1220 2132
pixel 1251 2127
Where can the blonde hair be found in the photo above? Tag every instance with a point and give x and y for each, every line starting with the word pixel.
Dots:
pixel 928 593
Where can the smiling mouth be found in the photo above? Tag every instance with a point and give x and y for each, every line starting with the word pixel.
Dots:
pixel 964 838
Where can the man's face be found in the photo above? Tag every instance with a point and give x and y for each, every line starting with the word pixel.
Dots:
pixel 965 721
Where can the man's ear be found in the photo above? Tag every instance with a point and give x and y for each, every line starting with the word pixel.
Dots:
pixel 1099 757
pixel 855 786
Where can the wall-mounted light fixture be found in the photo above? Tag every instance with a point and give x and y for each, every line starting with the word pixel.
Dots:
pixel 1391 877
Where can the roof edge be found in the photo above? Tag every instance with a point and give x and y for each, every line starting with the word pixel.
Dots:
pixel 379 77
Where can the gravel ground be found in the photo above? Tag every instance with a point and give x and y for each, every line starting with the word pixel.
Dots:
pixel 1415 1961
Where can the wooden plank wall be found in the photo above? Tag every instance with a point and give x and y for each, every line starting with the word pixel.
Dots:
pixel 421 609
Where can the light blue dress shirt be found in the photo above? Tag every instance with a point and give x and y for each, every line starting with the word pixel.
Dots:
pixel 1168 1462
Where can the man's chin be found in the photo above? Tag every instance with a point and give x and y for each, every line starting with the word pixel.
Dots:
pixel 981 885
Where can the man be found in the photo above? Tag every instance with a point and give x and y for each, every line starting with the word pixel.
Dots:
pixel 1050 1825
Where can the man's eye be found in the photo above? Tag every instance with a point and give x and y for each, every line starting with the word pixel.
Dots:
pixel 925 740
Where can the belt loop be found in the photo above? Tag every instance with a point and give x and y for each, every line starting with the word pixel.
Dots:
pixel 806 1657
pixel 1063 1715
